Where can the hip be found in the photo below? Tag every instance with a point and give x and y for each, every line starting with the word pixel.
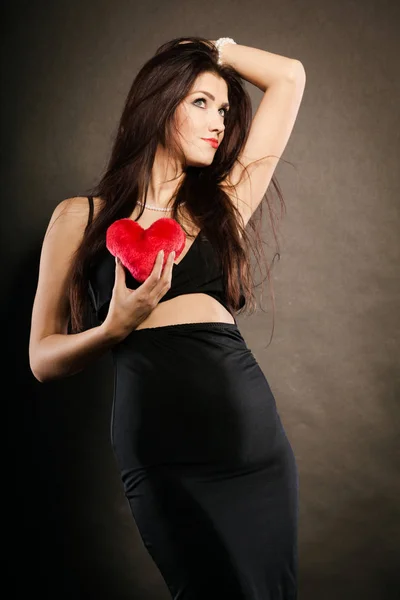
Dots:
pixel 192 392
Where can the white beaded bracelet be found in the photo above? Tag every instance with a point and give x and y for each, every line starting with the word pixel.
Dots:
pixel 220 43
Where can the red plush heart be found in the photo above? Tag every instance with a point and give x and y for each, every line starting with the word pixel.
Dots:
pixel 137 248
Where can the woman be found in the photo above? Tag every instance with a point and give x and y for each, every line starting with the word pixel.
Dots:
pixel 206 466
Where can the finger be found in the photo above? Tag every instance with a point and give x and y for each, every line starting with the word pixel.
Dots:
pixel 169 261
pixel 119 271
pixel 167 274
pixel 171 258
pixel 155 276
pixel 159 263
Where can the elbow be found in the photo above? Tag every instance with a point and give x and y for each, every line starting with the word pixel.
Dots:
pixel 38 374
pixel 45 370
pixel 34 364
pixel 38 378
pixel 38 368
pixel 297 71
pixel 43 376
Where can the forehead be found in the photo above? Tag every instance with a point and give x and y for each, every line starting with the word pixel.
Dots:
pixel 212 83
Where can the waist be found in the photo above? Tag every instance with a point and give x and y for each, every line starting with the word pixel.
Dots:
pixel 187 308
pixel 193 394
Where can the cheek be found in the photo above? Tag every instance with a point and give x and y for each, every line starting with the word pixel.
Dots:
pixel 186 122
pixel 191 127
pixel 196 117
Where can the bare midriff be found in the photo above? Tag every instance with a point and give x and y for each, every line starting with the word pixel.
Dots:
pixel 187 308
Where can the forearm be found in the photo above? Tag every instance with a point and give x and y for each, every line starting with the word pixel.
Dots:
pixel 61 355
pixel 259 67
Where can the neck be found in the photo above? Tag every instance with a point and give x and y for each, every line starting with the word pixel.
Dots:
pixel 166 176
pixel 154 207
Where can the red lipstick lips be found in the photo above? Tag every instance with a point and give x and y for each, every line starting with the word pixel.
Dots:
pixel 212 141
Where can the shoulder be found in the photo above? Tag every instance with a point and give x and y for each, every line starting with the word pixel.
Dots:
pixel 67 223
pixel 77 206
pixel 63 237
pixel 74 212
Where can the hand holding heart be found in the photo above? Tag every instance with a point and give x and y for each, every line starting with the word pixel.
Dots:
pixel 138 247
pixel 140 251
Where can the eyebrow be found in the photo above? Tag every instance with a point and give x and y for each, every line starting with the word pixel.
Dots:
pixel 225 104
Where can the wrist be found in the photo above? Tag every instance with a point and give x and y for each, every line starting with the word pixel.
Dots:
pixel 109 333
pixel 219 44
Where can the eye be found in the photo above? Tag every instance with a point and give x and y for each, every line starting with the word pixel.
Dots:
pixel 204 100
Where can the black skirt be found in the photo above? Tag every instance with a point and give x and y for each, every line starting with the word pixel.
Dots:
pixel 206 465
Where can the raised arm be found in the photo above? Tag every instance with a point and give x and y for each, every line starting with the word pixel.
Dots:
pixel 53 353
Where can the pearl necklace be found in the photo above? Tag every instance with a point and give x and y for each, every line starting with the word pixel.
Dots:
pixel 156 207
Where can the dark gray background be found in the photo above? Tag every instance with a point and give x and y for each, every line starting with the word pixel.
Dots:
pixel 333 364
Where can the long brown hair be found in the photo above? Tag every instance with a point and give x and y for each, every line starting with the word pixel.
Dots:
pixel 147 120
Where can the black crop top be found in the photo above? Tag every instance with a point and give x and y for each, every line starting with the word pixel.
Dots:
pixel 198 272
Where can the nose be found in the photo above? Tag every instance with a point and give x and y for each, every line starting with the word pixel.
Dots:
pixel 217 124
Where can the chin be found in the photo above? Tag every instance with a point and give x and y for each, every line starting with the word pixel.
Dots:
pixel 196 162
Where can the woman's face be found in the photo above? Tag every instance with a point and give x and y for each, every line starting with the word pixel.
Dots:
pixel 200 116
